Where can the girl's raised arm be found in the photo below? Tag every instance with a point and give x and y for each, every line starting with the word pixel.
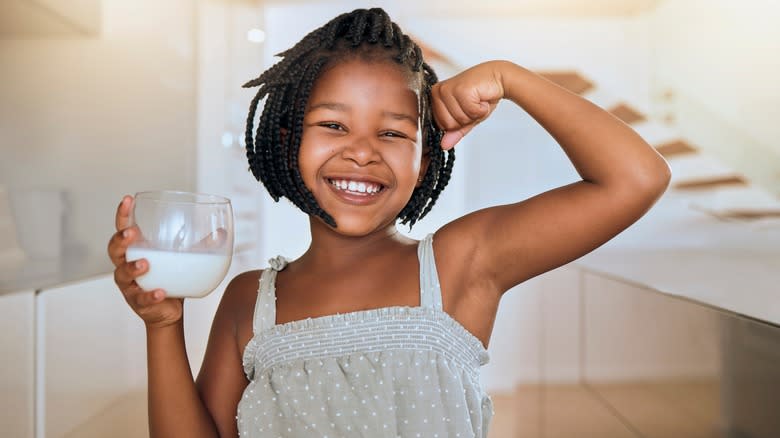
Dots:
pixel 622 177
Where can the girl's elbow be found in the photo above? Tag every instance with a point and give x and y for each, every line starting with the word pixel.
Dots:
pixel 655 179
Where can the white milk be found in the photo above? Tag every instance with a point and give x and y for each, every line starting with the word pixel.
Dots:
pixel 180 274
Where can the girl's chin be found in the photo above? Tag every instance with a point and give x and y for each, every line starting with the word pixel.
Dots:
pixel 356 227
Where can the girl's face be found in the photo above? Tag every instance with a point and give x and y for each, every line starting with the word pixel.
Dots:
pixel 361 152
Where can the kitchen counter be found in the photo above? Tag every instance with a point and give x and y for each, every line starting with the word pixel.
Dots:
pixel 42 274
pixel 729 265
pixel 742 282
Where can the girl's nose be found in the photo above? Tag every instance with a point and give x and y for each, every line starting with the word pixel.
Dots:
pixel 362 151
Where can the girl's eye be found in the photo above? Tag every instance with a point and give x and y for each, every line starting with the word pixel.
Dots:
pixel 331 125
pixel 393 134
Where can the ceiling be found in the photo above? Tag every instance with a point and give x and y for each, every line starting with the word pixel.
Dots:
pixel 81 18
pixel 499 8
pixel 49 18
pixel 571 8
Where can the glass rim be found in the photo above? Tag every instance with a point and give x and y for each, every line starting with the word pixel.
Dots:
pixel 181 197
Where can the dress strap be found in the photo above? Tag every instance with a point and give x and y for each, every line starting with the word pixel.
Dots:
pixel 430 291
pixel 265 306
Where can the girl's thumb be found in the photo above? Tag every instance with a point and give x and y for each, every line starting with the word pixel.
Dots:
pixel 451 138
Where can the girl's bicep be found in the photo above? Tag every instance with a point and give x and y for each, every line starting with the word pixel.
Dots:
pixel 221 380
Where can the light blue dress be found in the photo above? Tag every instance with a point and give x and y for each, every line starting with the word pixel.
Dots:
pixel 389 372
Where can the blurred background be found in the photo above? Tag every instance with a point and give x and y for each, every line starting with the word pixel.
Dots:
pixel 670 330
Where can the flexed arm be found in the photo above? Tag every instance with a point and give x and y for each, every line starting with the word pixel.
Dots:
pixel 622 176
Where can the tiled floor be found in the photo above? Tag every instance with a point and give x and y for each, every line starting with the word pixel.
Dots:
pixel 124 419
pixel 626 410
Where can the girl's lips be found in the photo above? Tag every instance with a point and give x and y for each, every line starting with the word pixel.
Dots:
pixel 357 178
pixel 354 197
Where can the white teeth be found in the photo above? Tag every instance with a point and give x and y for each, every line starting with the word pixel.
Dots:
pixel 356 186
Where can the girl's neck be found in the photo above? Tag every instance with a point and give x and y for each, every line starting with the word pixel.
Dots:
pixel 331 250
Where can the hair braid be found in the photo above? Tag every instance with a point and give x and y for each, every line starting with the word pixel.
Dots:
pixel 272 150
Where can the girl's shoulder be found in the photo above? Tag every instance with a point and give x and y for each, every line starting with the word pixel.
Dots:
pixel 239 296
pixel 242 288
pixel 238 303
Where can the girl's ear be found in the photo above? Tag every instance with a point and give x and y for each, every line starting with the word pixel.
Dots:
pixel 283 134
pixel 426 160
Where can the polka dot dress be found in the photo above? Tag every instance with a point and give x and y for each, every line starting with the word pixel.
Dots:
pixel 387 372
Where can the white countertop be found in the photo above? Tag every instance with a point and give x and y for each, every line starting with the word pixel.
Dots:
pixel 41 274
pixel 744 283
pixel 734 266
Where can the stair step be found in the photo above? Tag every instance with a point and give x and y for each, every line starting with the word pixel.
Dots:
pixel 627 114
pixel 675 148
pixel 570 80
pixel 710 183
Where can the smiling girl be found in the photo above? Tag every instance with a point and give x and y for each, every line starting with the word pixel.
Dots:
pixel 370 333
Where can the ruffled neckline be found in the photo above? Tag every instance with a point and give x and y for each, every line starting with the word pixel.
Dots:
pixel 357 317
pixel 278 263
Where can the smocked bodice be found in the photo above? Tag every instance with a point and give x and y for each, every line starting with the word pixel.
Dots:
pixel 387 372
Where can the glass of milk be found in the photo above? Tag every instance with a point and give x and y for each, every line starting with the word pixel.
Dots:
pixel 187 238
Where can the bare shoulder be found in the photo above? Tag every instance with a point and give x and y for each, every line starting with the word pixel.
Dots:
pixel 238 303
pixel 242 287
pixel 240 295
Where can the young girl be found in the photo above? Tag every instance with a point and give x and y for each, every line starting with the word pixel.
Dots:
pixel 369 333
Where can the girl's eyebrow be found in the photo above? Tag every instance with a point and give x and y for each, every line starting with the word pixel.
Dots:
pixel 399 116
pixel 331 106
pixel 345 108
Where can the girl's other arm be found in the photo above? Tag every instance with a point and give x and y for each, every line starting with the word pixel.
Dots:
pixel 175 406
pixel 622 176
pixel 221 380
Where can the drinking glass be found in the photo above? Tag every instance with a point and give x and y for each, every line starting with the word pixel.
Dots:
pixel 186 238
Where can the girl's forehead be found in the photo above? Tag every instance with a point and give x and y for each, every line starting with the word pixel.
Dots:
pixel 354 78
pixel 361 70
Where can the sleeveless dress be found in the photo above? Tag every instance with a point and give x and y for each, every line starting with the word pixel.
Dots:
pixel 389 372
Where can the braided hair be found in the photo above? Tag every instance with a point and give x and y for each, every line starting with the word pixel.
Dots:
pixel 272 152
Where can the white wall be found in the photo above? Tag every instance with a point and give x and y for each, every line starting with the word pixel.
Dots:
pixel 101 117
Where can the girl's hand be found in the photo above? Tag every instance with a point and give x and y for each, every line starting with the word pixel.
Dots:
pixel 151 306
pixel 463 101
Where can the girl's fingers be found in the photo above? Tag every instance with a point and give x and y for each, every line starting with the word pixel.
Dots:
pixel 454 107
pixel 139 298
pixel 147 298
pixel 451 138
pixel 117 245
pixel 126 273
pixel 442 117
pixel 446 117
pixel 123 212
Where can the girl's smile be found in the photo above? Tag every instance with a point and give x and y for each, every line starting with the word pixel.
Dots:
pixel 362 159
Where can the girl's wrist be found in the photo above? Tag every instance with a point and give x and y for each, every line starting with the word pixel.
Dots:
pixel 510 76
pixel 163 327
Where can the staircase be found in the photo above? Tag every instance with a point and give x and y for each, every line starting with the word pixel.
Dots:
pixel 709 185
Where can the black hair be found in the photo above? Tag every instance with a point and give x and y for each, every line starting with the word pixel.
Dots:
pixel 370 35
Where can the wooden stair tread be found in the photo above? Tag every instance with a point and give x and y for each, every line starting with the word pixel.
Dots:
pixel 627 114
pixel 709 183
pixel 675 148
pixel 570 80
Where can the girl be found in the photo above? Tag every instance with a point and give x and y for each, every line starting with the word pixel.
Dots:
pixel 370 333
